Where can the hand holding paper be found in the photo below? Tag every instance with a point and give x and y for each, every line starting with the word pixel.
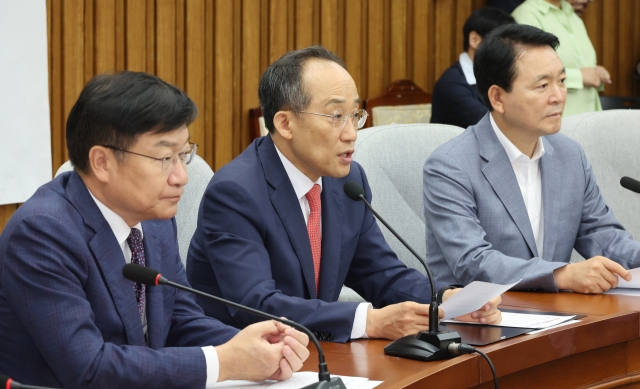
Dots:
pixel 472 297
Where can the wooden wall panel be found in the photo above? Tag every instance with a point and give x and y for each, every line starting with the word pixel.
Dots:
pixel 615 34
pixel 217 49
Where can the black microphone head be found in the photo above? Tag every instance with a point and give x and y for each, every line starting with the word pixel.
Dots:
pixel 353 190
pixel 630 184
pixel 140 274
pixel 3 380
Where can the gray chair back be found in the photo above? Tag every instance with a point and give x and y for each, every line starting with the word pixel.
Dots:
pixel 393 157
pixel 187 217
pixel 611 142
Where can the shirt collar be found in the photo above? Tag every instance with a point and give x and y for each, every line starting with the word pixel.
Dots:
pixel 119 227
pixel 546 7
pixel 512 151
pixel 301 183
pixel 467 68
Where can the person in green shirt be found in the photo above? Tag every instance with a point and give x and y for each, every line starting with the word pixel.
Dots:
pixel 584 76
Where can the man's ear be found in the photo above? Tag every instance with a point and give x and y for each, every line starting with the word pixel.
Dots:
pixel 282 124
pixel 100 161
pixel 474 40
pixel 496 97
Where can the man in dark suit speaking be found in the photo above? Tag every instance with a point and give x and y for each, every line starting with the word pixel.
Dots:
pixel 69 317
pixel 276 231
pixel 456 99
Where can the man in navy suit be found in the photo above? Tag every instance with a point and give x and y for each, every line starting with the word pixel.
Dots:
pixel 69 317
pixel 456 99
pixel 510 198
pixel 277 232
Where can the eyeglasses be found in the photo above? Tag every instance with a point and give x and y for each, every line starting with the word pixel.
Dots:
pixel 170 161
pixel 340 118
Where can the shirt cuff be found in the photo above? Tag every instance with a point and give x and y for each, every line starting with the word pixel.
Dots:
pixel 213 365
pixel 573 79
pixel 360 321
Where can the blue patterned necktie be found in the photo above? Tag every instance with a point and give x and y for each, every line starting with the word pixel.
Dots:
pixel 137 256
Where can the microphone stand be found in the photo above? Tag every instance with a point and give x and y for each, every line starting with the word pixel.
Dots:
pixel 431 345
pixel 325 380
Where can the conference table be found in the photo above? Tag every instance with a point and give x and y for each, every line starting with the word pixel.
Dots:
pixel 601 351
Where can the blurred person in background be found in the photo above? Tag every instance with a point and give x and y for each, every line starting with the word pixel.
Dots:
pixel 584 77
pixel 456 99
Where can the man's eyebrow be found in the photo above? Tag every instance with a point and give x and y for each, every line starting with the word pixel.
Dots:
pixel 166 143
pixel 335 101
pixel 340 101
pixel 547 76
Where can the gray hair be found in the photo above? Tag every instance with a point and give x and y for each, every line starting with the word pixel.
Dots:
pixel 281 84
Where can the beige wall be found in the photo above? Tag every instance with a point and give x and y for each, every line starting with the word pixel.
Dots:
pixel 216 50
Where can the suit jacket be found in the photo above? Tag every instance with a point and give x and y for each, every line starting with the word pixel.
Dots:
pixel 477 223
pixel 251 246
pixel 454 101
pixel 69 317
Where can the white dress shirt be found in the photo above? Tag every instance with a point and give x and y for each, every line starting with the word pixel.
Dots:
pixel 529 178
pixel 302 185
pixel 121 230
pixel 467 68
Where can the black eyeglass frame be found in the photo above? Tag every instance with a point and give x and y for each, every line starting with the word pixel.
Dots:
pixel 188 155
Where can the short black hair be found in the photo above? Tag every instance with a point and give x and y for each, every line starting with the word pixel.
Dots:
pixel 281 84
pixel 495 61
pixel 483 21
pixel 114 109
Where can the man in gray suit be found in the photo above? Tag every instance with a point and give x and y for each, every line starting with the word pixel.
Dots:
pixel 510 197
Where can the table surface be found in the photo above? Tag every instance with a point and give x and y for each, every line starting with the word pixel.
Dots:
pixel 601 351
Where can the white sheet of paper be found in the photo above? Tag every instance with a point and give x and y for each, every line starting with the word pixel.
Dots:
pixel 624 291
pixel 526 320
pixel 556 326
pixel 633 284
pixel 472 297
pixel 299 380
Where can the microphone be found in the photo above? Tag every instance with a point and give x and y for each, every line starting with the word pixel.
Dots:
pixel 630 184
pixel 428 345
pixel 8 383
pixel 150 277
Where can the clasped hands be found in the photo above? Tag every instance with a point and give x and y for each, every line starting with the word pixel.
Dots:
pixel 274 349
pixel 398 320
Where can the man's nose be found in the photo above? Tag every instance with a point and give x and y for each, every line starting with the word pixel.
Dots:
pixel 179 176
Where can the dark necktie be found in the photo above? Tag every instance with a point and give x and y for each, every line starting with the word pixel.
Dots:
pixel 313 228
pixel 137 256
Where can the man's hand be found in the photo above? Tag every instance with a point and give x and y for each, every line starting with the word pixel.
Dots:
pixel 265 350
pixel 594 77
pixel 595 275
pixel 579 5
pixel 488 314
pixel 398 320
pixel 295 352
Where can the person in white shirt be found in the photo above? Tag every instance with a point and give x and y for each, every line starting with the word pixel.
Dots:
pixel 510 198
pixel 456 99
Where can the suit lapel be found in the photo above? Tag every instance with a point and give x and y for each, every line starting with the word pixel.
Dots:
pixel 331 238
pixel 499 173
pixel 154 295
pixel 284 201
pixel 551 174
pixel 109 260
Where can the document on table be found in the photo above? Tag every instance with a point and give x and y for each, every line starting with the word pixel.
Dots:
pixel 624 291
pixel 556 326
pixel 526 320
pixel 299 380
pixel 472 297
pixel 629 288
